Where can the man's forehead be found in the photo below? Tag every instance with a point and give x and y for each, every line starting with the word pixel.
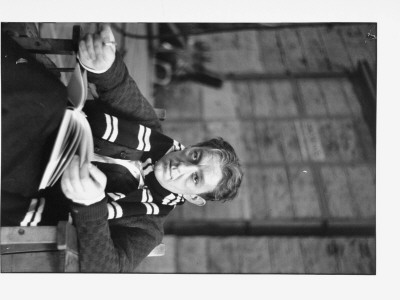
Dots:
pixel 211 159
pixel 211 172
pixel 209 153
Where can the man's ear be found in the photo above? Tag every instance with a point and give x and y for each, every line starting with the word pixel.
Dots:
pixel 195 199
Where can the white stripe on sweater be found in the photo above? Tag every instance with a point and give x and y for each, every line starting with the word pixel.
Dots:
pixel 29 214
pixel 38 215
pixel 147 139
pixel 119 209
pixel 149 195
pixel 111 211
pixel 168 199
pixel 148 170
pixel 156 209
pixel 175 147
pixel 116 196
pixel 115 129
pixel 149 209
pixel 144 195
pixel 177 200
pixel 178 146
pixel 140 138
pixel 120 195
pixel 147 166
pixel 146 163
pixel 174 202
pixel 108 128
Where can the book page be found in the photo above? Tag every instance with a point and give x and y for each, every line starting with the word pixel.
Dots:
pixel 74 135
pixel 71 144
pixel 86 145
pixel 77 87
pixel 58 147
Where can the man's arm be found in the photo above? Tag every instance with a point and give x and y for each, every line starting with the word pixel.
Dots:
pixel 105 248
pixel 117 90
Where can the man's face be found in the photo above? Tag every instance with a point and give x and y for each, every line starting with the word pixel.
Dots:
pixel 192 171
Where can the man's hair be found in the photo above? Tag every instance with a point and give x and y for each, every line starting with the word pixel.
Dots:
pixel 232 173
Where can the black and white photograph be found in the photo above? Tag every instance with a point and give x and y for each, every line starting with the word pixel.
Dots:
pixel 195 150
pixel 295 104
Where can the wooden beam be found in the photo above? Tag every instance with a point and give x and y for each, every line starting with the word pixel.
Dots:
pixel 24 239
pixel 46 46
pixel 274 227
pixel 28 235
pixel 285 75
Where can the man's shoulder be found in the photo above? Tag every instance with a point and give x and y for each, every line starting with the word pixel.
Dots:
pixel 152 225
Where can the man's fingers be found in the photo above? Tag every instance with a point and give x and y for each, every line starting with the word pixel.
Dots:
pixel 74 176
pixel 84 171
pixel 94 54
pixel 83 184
pixel 98 176
pixel 83 53
pixel 66 185
pixel 89 46
pixel 98 46
pixel 106 33
pixel 107 36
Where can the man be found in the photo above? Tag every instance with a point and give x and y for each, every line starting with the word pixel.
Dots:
pixel 146 177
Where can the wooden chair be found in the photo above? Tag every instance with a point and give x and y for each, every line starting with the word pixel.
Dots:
pixel 39 249
pixel 44 249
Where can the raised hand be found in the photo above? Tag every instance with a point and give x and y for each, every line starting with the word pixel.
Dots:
pixel 97 51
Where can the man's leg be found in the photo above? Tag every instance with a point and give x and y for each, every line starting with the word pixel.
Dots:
pixel 33 103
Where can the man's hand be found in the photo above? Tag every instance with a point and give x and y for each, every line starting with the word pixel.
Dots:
pixel 97 51
pixel 84 185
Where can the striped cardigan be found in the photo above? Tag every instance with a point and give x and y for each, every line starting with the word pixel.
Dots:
pixel 137 192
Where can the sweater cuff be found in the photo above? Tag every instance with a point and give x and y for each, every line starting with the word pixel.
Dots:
pixel 108 76
pixel 92 212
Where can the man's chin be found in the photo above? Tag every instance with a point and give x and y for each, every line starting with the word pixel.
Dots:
pixel 158 168
pixel 159 172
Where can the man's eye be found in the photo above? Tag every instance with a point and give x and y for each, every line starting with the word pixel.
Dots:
pixel 195 155
pixel 195 178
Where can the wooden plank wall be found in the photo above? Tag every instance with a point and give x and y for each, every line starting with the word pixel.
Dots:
pixel 305 148
pixel 255 255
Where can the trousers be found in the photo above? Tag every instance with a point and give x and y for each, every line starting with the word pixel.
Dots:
pixel 33 104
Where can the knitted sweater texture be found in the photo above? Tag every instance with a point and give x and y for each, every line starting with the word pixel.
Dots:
pixel 117 245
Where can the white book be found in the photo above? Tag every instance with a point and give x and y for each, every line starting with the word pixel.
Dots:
pixel 74 135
